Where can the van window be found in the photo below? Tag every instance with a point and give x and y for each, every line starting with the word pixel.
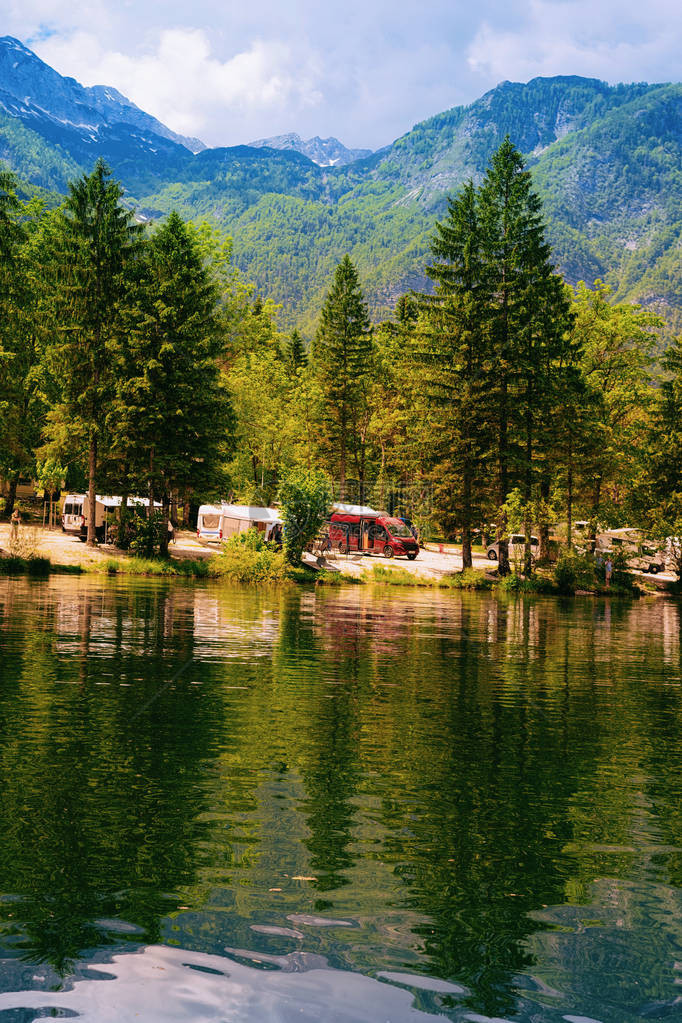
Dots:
pixel 210 521
pixel 68 509
pixel 517 539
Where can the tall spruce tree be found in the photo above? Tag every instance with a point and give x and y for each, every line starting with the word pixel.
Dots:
pixel 96 237
pixel 11 236
pixel 172 419
pixel 456 350
pixel 529 317
pixel 295 353
pixel 343 354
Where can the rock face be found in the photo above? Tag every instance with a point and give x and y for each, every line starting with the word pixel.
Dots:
pixel 324 152
pixel 61 109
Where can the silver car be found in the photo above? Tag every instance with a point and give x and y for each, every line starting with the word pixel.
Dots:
pixel 516 546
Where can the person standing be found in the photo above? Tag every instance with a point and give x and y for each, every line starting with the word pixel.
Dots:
pixel 15 522
pixel 608 572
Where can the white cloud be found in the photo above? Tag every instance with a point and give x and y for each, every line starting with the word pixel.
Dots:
pixel 364 70
pixel 608 40
pixel 183 84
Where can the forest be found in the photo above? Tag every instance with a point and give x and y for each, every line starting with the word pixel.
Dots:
pixel 136 359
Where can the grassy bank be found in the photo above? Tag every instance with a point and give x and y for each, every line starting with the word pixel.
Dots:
pixel 254 563
pixel 35 566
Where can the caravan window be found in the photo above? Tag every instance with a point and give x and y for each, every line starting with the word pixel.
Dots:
pixel 210 521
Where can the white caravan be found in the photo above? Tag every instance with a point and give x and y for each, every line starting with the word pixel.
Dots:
pixel 208 524
pixel 216 523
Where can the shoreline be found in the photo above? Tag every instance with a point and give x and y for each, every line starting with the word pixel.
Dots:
pixel 44 552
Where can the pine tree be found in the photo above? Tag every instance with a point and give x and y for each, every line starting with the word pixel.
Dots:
pixel 296 356
pixel 96 237
pixel 455 355
pixel 529 318
pixel 343 354
pixel 172 419
pixel 11 235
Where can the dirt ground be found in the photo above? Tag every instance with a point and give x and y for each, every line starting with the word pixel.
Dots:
pixel 66 549
pixel 431 563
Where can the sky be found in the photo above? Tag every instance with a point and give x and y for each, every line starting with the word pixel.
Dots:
pixel 364 71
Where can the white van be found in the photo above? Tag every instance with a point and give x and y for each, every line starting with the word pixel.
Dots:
pixel 516 546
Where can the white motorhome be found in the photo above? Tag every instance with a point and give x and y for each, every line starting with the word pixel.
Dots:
pixel 76 512
pixel 641 554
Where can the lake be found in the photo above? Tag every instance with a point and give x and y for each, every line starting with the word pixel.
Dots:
pixel 348 804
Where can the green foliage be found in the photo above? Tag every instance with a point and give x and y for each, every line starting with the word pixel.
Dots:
pixel 576 571
pixel 342 362
pixel 305 498
pixel 34 566
pixel 144 535
pixel 250 562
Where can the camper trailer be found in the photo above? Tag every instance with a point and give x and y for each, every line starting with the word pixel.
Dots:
pixel 237 518
pixel 216 523
pixel 209 529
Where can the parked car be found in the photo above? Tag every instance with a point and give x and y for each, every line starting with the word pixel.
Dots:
pixel 516 546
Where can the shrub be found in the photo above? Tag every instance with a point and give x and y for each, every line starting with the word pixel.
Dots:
pixel 575 571
pixel 305 496
pixel 249 558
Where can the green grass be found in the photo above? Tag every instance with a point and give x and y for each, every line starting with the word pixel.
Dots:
pixel 33 566
pixel 467 580
pixel 193 568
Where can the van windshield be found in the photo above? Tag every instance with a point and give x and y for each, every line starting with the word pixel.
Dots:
pixel 398 528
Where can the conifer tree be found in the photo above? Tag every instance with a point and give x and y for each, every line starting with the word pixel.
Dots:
pixel 95 239
pixel 455 354
pixel 342 353
pixel 11 235
pixel 295 352
pixel 529 318
pixel 172 418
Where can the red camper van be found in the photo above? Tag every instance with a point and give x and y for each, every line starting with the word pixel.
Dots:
pixel 354 528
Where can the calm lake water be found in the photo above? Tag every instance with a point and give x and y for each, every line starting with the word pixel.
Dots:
pixel 230 805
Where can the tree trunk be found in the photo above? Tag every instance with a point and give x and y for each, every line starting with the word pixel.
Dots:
pixel 467 559
pixel 528 489
pixel 123 518
pixel 543 553
pixel 569 497
pixel 503 546
pixel 163 546
pixel 92 496
pixel 11 497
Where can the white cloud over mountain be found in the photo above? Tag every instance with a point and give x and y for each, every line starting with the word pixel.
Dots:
pixel 363 70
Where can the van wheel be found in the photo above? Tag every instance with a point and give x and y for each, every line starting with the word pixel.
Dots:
pixel 492 556
pixel 412 555
pixel 653 569
pixel 344 548
pixel 388 551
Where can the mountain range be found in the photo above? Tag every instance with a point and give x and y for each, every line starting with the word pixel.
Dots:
pixel 606 160
pixel 324 152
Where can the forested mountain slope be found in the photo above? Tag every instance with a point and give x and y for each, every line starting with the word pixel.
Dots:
pixel 606 160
